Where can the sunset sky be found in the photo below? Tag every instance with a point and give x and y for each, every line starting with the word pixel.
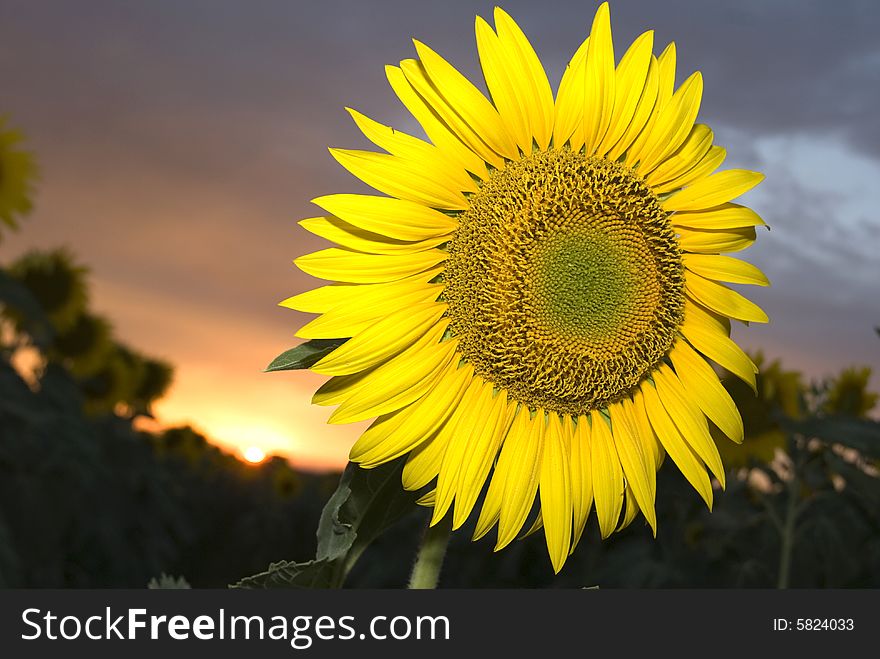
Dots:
pixel 180 142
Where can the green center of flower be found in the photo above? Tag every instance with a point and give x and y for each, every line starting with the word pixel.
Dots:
pixel 564 281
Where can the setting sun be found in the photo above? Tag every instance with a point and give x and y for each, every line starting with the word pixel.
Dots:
pixel 254 454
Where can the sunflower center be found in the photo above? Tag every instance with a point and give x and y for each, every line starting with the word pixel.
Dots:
pixel 564 281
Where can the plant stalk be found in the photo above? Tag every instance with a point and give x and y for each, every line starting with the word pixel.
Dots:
pixel 429 561
pixel 788 531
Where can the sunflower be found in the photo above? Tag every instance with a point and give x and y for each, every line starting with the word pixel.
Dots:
pixel 17 174
pixel 530 305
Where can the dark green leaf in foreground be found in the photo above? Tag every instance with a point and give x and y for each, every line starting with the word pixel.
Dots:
pixel 167 582
pixel 287 574
pixel 304 355
pixel 366 502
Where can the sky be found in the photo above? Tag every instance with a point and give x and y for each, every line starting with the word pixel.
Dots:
pixel 181 141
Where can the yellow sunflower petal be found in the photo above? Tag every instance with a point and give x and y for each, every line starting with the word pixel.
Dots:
pixel 536 526
pixel 581 477
pixel 351 237
pixel 631 75
pixel 340 388
pixel 650 443
pixel 359 268
pixel 492 504
pixel 688 418
pixel 501 79
pixel 427 499
pixel 399 381
pixel 349 320
pixel 722 299
pixel 436 130
pixel 712 241
pixel 394 434
pixel 520 475
pixel 724 268
pixel 474 437
pixel 599 80
pixel 643 113
pixel 382 340
pixel 725 216
pixel 664 81
pixel 714 343
pixel 344 388
pixel 417 76
pixel 474 408
pixel 673 125
pixel 713 190
pixel 317 300
pixel 484 446
pixel 607 474
pixel 401 178
pixel 363 297
pixel 423 463
pixel 529 78
pixel 724 352
pixel 630 510
pixel 706 390
pixel 674 442
pixel 468 102
pixel 666 63
pixel 555 493
pixel 697 144
pixel 696 314
pixel 711 161
pixel 633 459
pixel 569 106
pixel 399 219
pixel 415 150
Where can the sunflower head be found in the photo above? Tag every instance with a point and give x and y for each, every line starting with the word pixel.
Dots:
pixel 533 301
pixel 17 174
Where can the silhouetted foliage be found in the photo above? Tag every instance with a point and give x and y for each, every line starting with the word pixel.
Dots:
pixel 111 375
pixel 57 282
pixel 88 501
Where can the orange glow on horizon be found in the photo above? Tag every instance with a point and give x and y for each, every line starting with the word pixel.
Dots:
pixel 230 401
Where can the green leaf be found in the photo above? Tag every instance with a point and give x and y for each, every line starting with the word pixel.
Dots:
pixel 167 582
pixel 366 502
pixel 860 434
pixel 304 355
pixel 287 574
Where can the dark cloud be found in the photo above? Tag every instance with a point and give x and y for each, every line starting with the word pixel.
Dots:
pixel 820 256
pixel 779 66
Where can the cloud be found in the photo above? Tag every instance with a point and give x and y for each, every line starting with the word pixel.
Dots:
pixel 820 255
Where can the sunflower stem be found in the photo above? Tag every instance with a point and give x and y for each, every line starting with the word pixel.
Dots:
pixel 429 560
pixel 788 528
